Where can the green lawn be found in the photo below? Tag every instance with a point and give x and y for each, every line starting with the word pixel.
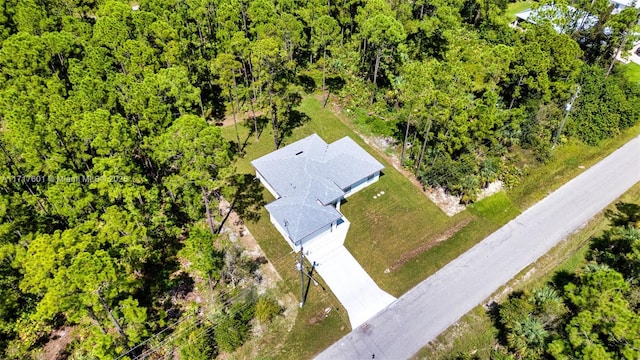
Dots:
pixel 381 231
pixel 514 8
pixel 631 71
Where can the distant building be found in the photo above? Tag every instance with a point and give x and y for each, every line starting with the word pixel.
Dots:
pixel 571 19
pixel 309 179
pixel 563 21
pixel 619 5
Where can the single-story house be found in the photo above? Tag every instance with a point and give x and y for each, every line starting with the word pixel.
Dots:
pixel 309 178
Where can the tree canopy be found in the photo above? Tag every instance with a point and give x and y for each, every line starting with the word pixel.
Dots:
pixel 113 167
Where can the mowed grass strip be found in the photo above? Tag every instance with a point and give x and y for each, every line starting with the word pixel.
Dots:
pixel 568 161
pixel 517 7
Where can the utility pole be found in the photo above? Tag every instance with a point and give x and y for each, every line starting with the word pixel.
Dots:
pixel 300 267
pixel 566 115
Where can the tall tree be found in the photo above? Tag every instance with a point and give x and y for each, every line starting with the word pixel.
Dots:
pixel 324 34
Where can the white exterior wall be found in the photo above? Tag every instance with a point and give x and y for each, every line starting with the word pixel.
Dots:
pixel 362 184
pixel 266 184
pixel 284 234
pixel 318 233
pixel 296 247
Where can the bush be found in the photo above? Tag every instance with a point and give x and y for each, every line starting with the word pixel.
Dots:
pixel 199 344
pixel 267 308
pixel 233 328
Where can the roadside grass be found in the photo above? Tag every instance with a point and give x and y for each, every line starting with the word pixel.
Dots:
pixel 631 71
pixel 568 160
pixel 516 7
pixel 474 333
pixel 384 229
pixel 488 215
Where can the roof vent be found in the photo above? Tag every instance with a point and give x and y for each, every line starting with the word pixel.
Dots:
pixel 299 152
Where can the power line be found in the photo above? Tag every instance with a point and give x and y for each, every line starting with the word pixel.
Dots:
pixel 185 331
pixel 174 335
pixel 172 325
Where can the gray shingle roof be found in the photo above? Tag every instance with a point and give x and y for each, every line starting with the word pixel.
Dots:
pixel 309 175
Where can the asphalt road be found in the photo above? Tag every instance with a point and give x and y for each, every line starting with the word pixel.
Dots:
pixel 420 315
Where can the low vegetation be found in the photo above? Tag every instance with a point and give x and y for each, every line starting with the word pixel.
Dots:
pixel 593 312
pixel 479 333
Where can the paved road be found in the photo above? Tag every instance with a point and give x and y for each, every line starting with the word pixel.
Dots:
pixel 419 316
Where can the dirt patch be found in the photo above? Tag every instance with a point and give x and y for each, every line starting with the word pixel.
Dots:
pixel 448 203
pixel 238 232
pixel 240 118
pixel 321 315
pixel 491 189
pixel 406 257
pixel 59 340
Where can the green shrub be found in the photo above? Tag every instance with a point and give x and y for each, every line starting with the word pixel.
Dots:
pixel 234 327
pixel 199 344
pixel 267 308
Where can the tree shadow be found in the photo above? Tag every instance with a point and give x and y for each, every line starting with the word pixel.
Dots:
pixel 248 198
pixel 159 285
pixel 562 278
pixel 294 119
pixel 259 123
pixel 183 285
pixel 213 101
pixel 627 214
pixel 493 311
pixel 334 84
pixel 307 83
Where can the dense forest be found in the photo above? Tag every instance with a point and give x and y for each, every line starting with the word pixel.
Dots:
pixel 112 169
pixel 591 314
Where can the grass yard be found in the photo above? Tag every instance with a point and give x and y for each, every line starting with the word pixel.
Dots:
pixel 516 7
pixel 631 71
pixel 475 334
pixel 398 237
pixel 381 231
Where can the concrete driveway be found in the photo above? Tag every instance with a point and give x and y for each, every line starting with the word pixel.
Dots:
pixel 421 314
pixel 357 292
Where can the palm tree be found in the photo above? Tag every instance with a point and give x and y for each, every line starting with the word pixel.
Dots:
pixel 528 338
